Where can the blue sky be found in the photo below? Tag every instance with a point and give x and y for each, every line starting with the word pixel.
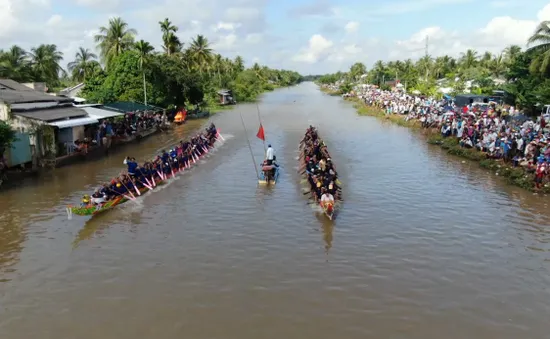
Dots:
pixel 309 36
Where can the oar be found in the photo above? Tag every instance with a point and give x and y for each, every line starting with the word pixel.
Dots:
pixel 220 135
pixel 149 186
pixel 133 198
pixel 144 184
pixel 172 169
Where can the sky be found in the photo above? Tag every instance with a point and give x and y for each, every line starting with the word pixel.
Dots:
pixel 308 36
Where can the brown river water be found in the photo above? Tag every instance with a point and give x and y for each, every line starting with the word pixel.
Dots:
pixel 425 246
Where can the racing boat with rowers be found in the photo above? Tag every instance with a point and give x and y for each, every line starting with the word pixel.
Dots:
pixel 318 170
pixel 140 179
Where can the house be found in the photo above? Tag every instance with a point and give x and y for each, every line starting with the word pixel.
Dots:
pixel 44 123
pixel 226 97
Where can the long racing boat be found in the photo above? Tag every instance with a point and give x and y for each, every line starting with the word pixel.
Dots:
pixel 157 175
pixel 317 169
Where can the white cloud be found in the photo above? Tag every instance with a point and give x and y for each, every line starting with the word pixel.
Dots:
pixel 226 26
pixel 254 38
pixel 318 48
pixel 54 20
pixel 352 27
pixel 241 28
pixel 101 5
pixel 498 33
pixel 7 17
pixel 225 43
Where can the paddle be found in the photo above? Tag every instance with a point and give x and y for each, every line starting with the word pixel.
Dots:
pixel 131 196
pixel 148 185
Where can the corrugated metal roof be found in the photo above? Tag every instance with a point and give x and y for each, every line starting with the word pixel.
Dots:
pixel 128 106
pixel 99 113
pixel 74 122
pixel 52 114
pixel 14 85
pixel 13 97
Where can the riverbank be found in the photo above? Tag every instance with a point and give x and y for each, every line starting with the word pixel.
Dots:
pixel 330 91
pixel 516 176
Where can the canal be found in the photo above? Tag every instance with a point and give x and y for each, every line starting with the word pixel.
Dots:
pixel 426 245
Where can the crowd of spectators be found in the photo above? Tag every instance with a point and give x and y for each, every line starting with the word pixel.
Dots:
pixel 502 133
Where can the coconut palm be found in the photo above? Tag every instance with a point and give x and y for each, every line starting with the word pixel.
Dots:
pixel 45 61
pixel 540 42
pixel 114 39
pixel 201 52
pixel 82 64
pixel 144 49
pixel 171 42
pixel 469 59
pixel 14 64
pixel 511 53
pixel 239 63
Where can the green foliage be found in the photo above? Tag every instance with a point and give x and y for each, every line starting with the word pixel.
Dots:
pixel 346 88
pixel 173 77
pixel 7 136
pixel 330 78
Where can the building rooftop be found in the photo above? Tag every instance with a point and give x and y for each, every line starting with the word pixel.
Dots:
pixel 12 92
pixel 59 112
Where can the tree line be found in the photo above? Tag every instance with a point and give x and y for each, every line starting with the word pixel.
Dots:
pixel 523 74
pixel 129 69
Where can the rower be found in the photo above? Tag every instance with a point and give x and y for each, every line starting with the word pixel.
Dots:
pixel 132 165
pixel 98 198
pixel 327 197
pixel 85 200
pixel 269 154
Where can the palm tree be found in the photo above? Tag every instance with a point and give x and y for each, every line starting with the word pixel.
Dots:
pixel 14 64
pixel 84 58
pixel 114 39
pixel 540 43
pixel 201 52
pixel 144 49
pixel 511 53
pixel 45 61
pixel 424 65
pixel 171 42
pixel 469 59
pixel 239 64
pixel 218 66
pixel 498 65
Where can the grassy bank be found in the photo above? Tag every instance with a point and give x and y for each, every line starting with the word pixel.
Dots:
pixel 513 175
pixel 330 91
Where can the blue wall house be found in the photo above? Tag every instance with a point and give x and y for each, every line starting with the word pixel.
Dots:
pixel 40 120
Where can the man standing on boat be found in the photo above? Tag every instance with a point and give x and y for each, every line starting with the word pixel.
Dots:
pixel 269 155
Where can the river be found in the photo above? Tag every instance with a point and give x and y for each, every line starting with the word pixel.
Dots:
pixel 425 246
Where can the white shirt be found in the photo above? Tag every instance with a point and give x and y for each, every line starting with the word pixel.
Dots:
pixel 269 153
pixel 327 197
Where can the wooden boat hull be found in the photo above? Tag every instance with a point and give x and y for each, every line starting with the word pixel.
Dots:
pixel 92 210
pixel 328 209
pixel 263 181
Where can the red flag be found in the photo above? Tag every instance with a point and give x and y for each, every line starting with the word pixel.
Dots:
pixel 260 133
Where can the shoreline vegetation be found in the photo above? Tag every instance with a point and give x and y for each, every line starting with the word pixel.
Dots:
pixel 128 69
pixel 514 82
pixel 516 176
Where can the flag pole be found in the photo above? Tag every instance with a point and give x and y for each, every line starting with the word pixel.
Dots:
pixel 260 120
pixel 250 147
